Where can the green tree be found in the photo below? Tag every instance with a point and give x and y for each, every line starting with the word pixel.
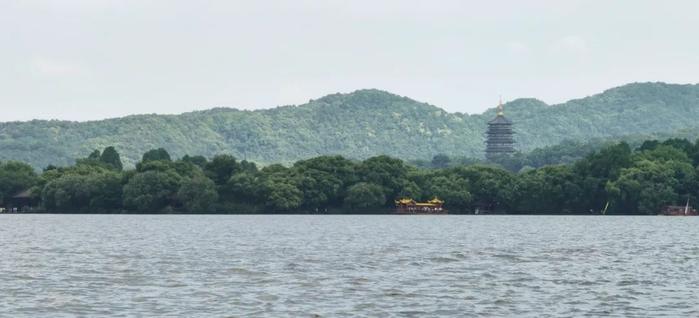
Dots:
pixel 681 144
pixel 492 188
pixel 596 169
pixel 111 158
pixel 245 187
pixel 643 188
pixel 324 180
pixel 365 195
pixel 94 156
pixel 72 191
pixel 649 145
pixel 221 168
pixel 199 161
pixel 452 189
pixel 68 193
pixel 338 166
pixel 551 189
pixel 180 168
pixel 283 197
pixel 151 191
pixel 663 153
pixel 198 194
pixel 106 192
pixel 159 154
pixel 319 188
pixel 440 161
pixel 389 173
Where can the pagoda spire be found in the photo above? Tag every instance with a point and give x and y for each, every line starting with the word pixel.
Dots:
pixel 501 109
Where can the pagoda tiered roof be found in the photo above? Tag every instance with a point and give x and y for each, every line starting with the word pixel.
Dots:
pixel 500 139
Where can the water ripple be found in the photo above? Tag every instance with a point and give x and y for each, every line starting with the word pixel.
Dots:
pixel 348 266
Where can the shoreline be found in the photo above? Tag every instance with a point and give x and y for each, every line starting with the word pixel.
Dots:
pixel 322 214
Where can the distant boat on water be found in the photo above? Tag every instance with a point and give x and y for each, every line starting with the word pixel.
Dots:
pixel 410 206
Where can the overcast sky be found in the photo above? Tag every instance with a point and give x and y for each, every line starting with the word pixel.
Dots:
pixel 93 59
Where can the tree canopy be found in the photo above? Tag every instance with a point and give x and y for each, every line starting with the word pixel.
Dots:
pixel 617 177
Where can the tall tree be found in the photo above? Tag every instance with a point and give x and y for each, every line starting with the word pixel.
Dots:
pixel 111 158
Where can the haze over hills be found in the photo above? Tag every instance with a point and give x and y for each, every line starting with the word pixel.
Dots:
pixel 356 125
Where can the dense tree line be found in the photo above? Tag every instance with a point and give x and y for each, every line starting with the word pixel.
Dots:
pixel 617 178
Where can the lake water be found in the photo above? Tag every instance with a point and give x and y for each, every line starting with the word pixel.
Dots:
pixel 334 266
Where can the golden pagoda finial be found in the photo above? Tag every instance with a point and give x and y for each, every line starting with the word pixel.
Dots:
pixel 501 109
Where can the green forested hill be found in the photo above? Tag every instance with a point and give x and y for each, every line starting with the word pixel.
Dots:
pixel 357 125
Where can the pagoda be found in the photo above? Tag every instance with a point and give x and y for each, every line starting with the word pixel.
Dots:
pixel 500 141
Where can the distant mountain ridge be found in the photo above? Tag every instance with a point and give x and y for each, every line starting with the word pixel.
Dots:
pixel 357 125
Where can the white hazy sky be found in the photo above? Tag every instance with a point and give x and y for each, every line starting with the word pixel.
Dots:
pixel 93 59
